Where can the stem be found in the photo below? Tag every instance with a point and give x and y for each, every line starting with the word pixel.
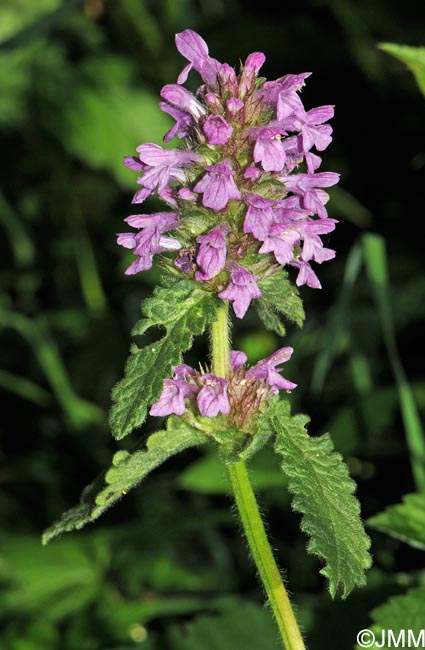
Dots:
pixel 248 507
pixel 263 557
pixel 220 343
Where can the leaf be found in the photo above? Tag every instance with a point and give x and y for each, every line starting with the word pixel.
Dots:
pixel 401 617
pixel 323 493
pixel 126 472
pixel 184 312
pixel 279 298
pixel 413 57
pixel 242 627
pixel 405 521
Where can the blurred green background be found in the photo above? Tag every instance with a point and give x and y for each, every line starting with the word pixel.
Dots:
pixel 167 569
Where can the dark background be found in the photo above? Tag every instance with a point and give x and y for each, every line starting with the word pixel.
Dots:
pixel 79 85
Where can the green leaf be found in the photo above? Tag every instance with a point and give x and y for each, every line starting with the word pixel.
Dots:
pixel 404 616
pixel 405 521
pixel 184 312
pixel 323 493
pixel 243 627
pixel 126 472
pixel 279 299
pixel 413 57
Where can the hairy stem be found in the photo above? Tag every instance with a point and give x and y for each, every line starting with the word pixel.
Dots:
pixel 220 343
pixel 263 557
pixel 248 507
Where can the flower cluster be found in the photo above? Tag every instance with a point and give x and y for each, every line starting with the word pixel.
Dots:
pixel 243 186
pixel 238 397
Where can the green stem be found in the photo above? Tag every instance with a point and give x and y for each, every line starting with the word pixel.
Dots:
pixel 248 507
pixel 220 343
pixel 263 557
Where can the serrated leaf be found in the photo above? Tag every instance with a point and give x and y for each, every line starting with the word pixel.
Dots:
pixel 413 57
pixel 184 311
pixel 405 521
pixel 400 622
pixel 279 299
pixel 127 471
pixel 323 493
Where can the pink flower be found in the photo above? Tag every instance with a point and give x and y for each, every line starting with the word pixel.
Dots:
pixel 212 252
pixel 241 289
pixel 218 186
pixel 212 398
pixel 267 370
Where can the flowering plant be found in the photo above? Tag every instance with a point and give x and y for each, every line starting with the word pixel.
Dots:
pixel 245 206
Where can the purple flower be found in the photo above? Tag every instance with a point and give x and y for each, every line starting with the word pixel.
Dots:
pixel 212 252
pixel 306 275
pixel 308 187
pixel 132 162
pixel 213 102
pixel 310 125
pixel 228 79
pixel 262 213
pixel 266 370
pixel 218 186
pixel 259 216
pixel 252 173
pixel 284 89
pixel 186 194
pixel 237 359
pixel 268 149
pixel 281 240
pixel 181 98
pixel 217 130
pixel 186 260
pixel 241 289
pixel 164 221
pixel 313 248
pixel 212 398
pixel 195 50
pixel 172 398
pixel 253 63
pixel 149 240
pixel 182 125
pixel 183 371
pixel 233 106
pixel 163 165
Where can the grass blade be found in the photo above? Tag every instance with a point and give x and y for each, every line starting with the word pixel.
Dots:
pixel 377 269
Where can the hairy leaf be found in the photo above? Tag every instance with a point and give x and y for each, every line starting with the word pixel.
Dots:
pixel 404 617
pixel 405 521
pixel 126 472
pixel 323 493
pixel 183 311
pixel 279 299
pixel 413 57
